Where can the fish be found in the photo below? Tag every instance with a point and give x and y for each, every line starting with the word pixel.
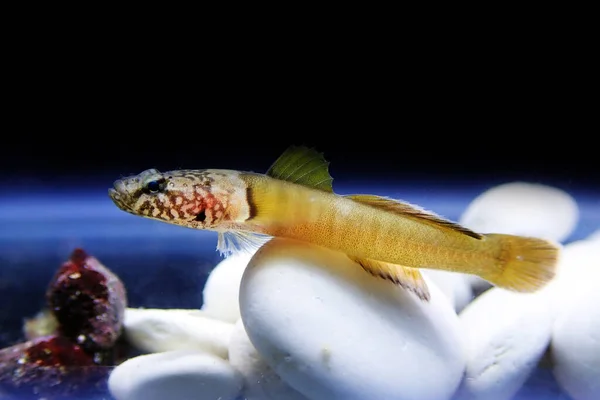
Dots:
pixel 390 239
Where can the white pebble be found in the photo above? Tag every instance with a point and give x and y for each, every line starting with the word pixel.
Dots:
pixel 456 286
pixel 578 267
pixel 478 284
pixel 506 335
pixel 175 375
pixel 260 381
pixel 526 209
pixel 332 331
pixel 155 330
pixel 220 294
pixel 576 336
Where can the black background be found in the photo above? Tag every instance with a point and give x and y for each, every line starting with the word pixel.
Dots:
pixel 80 146
pixel 87 110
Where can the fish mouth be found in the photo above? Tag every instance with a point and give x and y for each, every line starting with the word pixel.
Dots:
pixel 119 196
pixel 114 195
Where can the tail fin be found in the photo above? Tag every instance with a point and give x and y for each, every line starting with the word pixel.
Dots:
pixel 524 264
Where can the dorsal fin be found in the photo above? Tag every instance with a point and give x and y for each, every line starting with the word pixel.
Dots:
pixel 409 210
pixel 304 166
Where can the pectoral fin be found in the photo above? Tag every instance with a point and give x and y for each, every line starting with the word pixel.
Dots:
pixel 406 277
pixel 239 241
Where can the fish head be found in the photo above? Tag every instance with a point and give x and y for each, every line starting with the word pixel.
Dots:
pixel 192 198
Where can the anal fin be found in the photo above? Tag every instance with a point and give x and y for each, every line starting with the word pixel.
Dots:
pixel 405 277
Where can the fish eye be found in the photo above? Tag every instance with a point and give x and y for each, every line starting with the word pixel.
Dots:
pixel 155 185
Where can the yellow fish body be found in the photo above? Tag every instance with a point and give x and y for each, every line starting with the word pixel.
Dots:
pixel 294 199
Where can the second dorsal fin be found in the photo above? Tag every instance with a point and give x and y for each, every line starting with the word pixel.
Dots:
pixel 409 210
pixel 304 166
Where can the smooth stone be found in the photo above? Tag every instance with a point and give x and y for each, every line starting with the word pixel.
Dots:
pixel 454 285
pixel 521 208
pixel 478 284
pixel 156 330
pixel 220 293
pixel 576 336
pixel 541 385
pixel 580 259
pixel 332 331
pixel 175 375
pixel 506 334
pixel 578 267
pixel 260 381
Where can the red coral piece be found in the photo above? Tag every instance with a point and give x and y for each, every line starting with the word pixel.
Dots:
pixel 88 301
pixel 56 352
pixel 51 365
pixel 78 257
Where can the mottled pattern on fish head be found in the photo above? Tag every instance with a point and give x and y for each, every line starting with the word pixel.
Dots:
pixel 193 198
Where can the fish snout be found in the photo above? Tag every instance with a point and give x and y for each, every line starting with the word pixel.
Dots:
pixel 120 194
pixel 120 187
